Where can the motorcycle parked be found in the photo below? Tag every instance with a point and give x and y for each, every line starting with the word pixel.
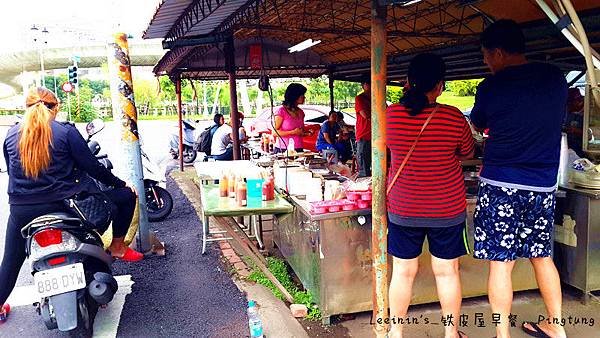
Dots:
pixel 71 271
pixel 189 153
pixel 159 201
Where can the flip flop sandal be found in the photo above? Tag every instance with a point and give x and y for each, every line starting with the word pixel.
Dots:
pixel 131 255
pixel 4 311
pixel 538 333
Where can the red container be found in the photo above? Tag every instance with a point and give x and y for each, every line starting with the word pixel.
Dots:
pixel 268 190
pixel 349 207
pixel 363 204
pixel 335 208
pixel 366 196
pixel 319 210
pixel 352 195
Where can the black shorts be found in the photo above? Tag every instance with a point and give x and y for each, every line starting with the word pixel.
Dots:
pixel 446 243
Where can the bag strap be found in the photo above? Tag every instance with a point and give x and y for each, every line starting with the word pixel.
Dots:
pixel 412 148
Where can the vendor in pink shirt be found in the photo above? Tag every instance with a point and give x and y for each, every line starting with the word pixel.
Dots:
pixel 289 119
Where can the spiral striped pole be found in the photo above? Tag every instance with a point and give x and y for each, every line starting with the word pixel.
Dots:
pixel 125 114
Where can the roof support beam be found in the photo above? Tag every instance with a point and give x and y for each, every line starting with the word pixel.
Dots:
pixel 194 41
pixel 397 33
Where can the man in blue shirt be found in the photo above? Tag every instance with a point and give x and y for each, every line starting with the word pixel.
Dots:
pixel 328 137
pixel 523 106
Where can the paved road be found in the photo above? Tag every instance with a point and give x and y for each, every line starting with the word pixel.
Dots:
pixel 184 294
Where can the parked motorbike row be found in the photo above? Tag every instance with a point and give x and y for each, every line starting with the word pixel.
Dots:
pixel 72 273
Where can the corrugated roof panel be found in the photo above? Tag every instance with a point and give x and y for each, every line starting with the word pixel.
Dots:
pixel 170 10
pixel 165 16
pixel 215 19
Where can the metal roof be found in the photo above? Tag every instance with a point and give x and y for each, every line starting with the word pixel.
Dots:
pixel 180 18
pixel 448 27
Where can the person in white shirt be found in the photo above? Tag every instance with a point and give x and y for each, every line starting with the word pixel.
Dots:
pixel 222 141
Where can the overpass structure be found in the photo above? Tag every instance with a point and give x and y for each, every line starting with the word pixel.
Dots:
pixel 13 64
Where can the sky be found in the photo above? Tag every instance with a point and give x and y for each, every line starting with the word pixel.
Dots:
pixel 71 21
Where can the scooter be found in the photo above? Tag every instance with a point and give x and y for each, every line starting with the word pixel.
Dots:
pixel 159 201
pixel 71 271
pixel 189 153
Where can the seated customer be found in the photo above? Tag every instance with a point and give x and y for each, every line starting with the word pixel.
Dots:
pixel 219 121
pixel 221 148
pixel 328 137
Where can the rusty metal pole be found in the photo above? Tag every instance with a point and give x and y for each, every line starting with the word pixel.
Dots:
pixel 379 165
pixel 125 113
pixel 331 98
pixel 235 122
pixel 177 81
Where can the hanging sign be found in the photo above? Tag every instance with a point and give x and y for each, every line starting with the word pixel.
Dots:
pixel 255 56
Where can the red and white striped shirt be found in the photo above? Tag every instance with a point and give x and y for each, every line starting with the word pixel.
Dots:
pixel 430 191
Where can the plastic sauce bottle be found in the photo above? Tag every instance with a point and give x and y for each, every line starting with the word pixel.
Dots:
pixel 231 186
pixel 223 186
pixel 241 193
pixel 254 322
pixel 268 189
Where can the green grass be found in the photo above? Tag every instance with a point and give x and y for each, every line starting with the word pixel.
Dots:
pixel 460 102
pixel 280 270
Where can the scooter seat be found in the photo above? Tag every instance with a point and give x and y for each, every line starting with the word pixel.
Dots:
pixel 49 219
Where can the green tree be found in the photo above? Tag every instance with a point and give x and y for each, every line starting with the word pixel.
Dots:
pixel 463 87
pixel 345 91
pixel 145 93
pixel 394 94
pixel 86 111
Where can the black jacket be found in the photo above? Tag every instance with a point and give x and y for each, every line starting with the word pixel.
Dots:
pixel 70 160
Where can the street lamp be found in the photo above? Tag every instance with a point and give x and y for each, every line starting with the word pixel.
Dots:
pixel 41 39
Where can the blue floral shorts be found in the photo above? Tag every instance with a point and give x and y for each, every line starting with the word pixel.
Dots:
pixel 513 223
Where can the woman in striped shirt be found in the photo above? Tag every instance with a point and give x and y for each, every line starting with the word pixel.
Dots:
pixel 428 197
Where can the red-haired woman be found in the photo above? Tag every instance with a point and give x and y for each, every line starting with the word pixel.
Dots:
pixel 49 161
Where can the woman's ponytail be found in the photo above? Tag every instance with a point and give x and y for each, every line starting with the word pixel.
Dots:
pixel 35 132
pixel 415 100
pixel 424 73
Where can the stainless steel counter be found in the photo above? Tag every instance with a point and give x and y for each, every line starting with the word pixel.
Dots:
pixel 577 238
pixel 331 254
pixel 591 193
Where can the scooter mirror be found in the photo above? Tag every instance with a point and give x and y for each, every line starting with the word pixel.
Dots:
pixel 94 127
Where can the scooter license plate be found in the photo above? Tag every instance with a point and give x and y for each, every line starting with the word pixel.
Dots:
pixel 59 280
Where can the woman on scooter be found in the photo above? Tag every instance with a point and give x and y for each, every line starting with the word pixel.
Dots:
pixel 45 160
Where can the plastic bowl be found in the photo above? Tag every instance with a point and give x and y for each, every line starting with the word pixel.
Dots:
pixel 364 204
pixel 366 196
pixel 319 210
pixel 349 207
pixel 335 208
pixel 352 196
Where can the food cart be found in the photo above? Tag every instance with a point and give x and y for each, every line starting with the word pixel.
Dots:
pixel 241 40
pixel 331 255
